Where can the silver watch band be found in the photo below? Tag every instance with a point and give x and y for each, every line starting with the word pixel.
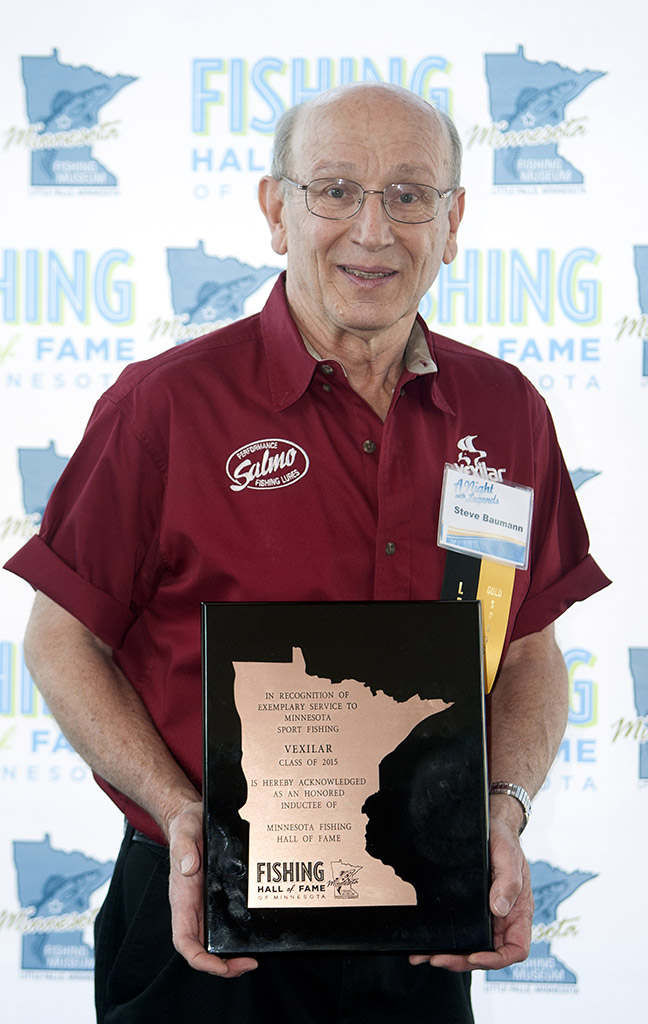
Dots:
pixel 518 792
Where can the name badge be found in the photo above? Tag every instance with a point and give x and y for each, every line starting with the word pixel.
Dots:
pixel 485 518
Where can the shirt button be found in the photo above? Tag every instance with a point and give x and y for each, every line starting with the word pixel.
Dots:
pixel 326 387
pixel 326 368
pixel 369 447
pixel 390 548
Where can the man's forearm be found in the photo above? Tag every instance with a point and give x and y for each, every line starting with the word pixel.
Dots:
pixel 526 714
pixel 100 713
pixel 105 720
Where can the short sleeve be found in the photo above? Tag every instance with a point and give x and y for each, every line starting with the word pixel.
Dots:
pixel 97 553
pixel 561 569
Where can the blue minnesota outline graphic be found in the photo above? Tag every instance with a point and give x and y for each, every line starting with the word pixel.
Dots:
pixel 56 885
pixel 63 104
pixel 209 289
pixel 39 470
pixel 641 270
pixel 525 95
pixel 638 657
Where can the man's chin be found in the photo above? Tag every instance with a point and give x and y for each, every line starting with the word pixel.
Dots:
pixel 369 321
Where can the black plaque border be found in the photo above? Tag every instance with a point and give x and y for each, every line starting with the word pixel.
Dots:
pixel 433 648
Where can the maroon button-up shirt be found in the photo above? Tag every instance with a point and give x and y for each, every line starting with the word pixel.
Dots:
pixel 238 467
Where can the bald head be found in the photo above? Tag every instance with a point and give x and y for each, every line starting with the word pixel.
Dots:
pixel 363 97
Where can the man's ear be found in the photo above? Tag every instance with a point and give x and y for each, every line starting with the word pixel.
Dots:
pixel 271 201
pixel 454 217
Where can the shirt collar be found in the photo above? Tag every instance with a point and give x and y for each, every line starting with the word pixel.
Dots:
pixel 417 353
pixel 292 360
pixel 418 356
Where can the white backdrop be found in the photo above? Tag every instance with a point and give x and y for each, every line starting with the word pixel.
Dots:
pixel 128 221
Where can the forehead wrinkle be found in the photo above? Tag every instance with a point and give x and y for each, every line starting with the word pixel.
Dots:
pixel 357 124
pixel 401 174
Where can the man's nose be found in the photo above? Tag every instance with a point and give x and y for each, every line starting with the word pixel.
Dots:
pixel 371 227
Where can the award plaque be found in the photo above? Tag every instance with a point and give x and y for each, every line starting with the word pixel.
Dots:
pixel 345 778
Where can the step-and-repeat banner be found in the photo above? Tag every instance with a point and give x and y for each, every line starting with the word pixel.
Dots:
pixel 132 137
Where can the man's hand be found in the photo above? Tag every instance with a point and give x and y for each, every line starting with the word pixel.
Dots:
pixel 186 896
pixel 511 902
pixel 105 720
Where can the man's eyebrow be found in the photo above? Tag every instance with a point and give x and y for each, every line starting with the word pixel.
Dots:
pixel 329 168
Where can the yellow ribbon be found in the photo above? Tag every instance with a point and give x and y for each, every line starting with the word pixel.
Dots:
pixel 494 590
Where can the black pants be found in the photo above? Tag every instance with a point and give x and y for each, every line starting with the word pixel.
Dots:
pixel 140 979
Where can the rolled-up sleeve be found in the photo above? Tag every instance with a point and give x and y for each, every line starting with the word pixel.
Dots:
pixel 97 553
pixel 561 569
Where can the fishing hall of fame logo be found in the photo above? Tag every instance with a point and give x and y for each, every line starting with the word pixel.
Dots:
pixel 63 106
pixel 344 880
pixel 529 104
pixel 55 891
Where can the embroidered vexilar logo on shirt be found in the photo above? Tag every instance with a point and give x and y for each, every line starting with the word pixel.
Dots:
pixel 267 464
pixel 472 460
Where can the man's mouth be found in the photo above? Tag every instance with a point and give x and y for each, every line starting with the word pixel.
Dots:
pixel 368 275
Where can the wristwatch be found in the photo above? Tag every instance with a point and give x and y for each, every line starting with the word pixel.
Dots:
pixel 520 794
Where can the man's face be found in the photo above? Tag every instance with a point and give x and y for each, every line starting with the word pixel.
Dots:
pixel 365 275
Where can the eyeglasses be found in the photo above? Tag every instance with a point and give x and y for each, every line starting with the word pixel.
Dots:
pixel 339 199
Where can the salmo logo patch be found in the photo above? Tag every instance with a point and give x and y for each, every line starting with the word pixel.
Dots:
pixel 268 464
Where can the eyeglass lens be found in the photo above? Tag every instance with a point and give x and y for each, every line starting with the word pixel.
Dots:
pixel 337 199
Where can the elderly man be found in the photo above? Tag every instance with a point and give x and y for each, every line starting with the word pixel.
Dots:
pixel 145 523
